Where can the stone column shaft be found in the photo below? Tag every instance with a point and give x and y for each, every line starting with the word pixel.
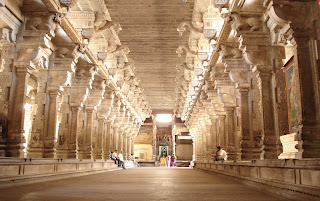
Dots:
pixel 221 132
pixel 106 147
pixel 16 138
pixel 246 141
pixel 73 138
pixel 52 125
pixel 269 150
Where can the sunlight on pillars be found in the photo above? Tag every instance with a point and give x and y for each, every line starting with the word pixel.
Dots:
pixel 27 125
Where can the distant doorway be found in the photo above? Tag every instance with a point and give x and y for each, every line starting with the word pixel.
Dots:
pixel 163 151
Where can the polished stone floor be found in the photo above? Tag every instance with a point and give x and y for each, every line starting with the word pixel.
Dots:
pixel 139 184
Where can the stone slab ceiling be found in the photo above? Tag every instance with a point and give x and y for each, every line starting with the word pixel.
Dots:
pixel 149 29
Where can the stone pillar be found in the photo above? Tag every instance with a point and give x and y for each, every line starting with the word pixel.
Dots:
pixel 230 133
pixel 15 140
pixel 208 138
pixel 129 144
pixel 106 143
pixel 154 139
pixel 38 132
pixel 132 144
pixel 301 28
pixel 84 141
pixel 115 138
pixel 120 141
pixel 309 94
pixel 221 131
pixel 213 131
pixel 269 148
pixel 52 125
pixel 99 140
pixel 64 127
pixel 125 146
pixel 75 124
pixel 246 141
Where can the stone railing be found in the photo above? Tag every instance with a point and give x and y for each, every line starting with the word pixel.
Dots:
pixel 15 170
pixel 293 179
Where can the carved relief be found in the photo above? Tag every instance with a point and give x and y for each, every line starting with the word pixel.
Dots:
pixel 239 23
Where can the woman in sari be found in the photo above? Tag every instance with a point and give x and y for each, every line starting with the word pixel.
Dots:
pixel 168 160
pixel 173 161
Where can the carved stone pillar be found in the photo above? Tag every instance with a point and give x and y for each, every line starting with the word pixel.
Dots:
pixel 269 150
pixel 129 145
pixel 214 136
pixel 132 144
pixel 154 139
pixel 97 145
pixel 52 125
pixel 221 131
pixel 106 150
pixel 84 141
pixel 75 124
pixel 64 126
pixel 38 133
pixel 246 141
pixel 230 133
pixel 15 140
pixel 309 95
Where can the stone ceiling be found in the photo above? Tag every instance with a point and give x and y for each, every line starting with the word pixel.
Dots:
pixel 149 29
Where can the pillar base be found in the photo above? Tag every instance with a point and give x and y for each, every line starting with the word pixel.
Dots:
pixel 84 153
pixel 290 143
pixel 96 156
pixel 35 152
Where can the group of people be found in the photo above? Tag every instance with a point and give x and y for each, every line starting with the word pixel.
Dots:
pixel 118 159
pixel 169 161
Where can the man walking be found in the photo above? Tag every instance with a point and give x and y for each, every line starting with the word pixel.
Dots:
pixel 121 161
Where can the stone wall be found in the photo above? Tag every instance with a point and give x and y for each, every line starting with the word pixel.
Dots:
pixel 143 152
pixel 184 151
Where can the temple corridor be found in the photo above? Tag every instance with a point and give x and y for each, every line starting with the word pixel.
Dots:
pixel 148 183
pixel 230 87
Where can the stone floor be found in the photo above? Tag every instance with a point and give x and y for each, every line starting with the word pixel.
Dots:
pixel 139 184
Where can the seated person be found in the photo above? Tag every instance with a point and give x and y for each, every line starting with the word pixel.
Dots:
pixel 221 155
pixel 113 158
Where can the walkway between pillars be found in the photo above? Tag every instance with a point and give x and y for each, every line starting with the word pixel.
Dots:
pixel 140 184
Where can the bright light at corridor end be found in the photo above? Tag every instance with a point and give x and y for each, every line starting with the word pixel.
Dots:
pixel 164 118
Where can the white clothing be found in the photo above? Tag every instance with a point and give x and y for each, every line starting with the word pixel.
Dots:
pixel 120 157
pixel 222 154
pixel 115 155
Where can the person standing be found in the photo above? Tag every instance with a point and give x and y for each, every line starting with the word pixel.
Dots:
pixel 121 161
pixel 168 160
pixel 173 161
pixel 221 155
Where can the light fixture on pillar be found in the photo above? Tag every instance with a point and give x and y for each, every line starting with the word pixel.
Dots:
pixel 221 3
pixel 203 56
pixel 198 71
pixel 194 83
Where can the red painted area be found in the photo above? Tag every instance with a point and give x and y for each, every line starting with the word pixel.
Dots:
pixel 319 3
